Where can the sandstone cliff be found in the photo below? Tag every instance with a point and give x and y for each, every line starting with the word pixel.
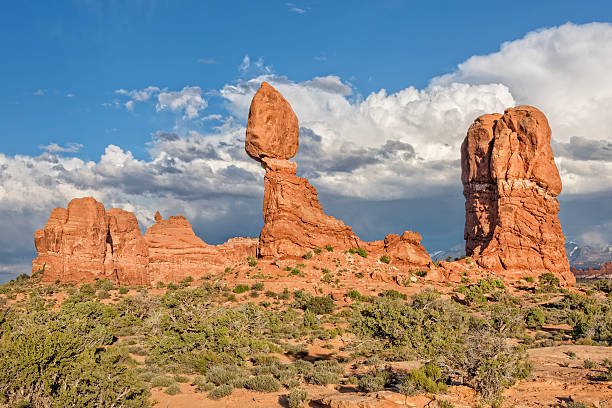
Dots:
pixel 510 182
pixel 84 242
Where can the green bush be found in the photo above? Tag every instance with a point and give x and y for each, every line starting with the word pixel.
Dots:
pixel 263 383
pixel 604 285
pixel 535 317
pixel 252 262
pixel 421 273
pixel 428 378
pixel 221 391
pixel 307 255
pixel 257 286
pixel 241 289
pixel 317 251
pixel 297 398
pixel 173 389
pixel 548 282
pixel 385 259
pixel 314 304
pixel 123 290
pixel 52 359
pixel 329 248
pixel 376 381
pixel 362 252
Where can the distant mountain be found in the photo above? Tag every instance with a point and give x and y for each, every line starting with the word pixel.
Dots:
pixel 584 256
pixel 456 251
pixel 580 256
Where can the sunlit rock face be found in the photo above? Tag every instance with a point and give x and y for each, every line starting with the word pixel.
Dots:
pixel 510 183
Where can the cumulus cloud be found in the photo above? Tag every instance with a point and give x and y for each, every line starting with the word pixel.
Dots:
pixel 188 100
pixel 383 150
pixel 564 71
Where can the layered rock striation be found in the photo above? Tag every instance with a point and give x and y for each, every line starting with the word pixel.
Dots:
pixel 85 242
pixel 294 221
pixel 510 183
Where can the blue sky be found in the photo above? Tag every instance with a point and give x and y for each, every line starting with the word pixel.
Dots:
pixel 88 89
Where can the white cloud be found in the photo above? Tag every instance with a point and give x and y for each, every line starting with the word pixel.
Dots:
pixel 55 148
pixel 402 145
pixel 39 92
pixel 129 105
pixel 295 9
pixel 565 72
pixel 206 61
pixel 140 95
pixel 189 100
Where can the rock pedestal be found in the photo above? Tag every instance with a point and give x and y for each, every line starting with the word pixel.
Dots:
pixel 294 221
pixel 510 182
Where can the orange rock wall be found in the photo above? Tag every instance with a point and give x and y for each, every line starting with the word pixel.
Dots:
pixel 510 182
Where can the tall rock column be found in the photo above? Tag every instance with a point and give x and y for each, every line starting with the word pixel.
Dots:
pixel 294 220
pixel 510 182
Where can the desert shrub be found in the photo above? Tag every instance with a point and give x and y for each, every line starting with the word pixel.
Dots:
pixel 161 381
pixel 123 290
pixel 604 285
pixel 588 364
pixel 104 284
pixel 590 317
pixel 362 252
pixel 173 389
pixel 220 375
pixel 393 294
pixel 329 248
pixel 353 294
pixel 377 380
pixel 428 378
pixel 51 359
pixel 257 286
pixel 307 255
pixel 477 292
pixel 322 372
pixel 421 273
pixel 252 262
pixel 548 282
pixel 87 290
pixel 314 304
pixel 263 383
pixel 535 317
pixel 103 294
pixel 490 363
pixel 297 398
pixel 180 378
pixel 221 391
pixel 385 259
pixel 241 289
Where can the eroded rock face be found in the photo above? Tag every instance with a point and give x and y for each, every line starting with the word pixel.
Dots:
pixel 510 182
pixel 272 127
pixel 294 221
pixel 85 242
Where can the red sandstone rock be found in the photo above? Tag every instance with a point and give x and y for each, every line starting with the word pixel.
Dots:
pixel 272 127
pixel 175 252
pixel 85 242
pixel 510 183
pixel 294 221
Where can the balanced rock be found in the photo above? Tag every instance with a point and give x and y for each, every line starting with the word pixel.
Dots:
pixel 272 127
pixel 294 221
pixel 510 182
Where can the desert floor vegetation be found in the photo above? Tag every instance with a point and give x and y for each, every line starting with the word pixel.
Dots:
pixel 102 344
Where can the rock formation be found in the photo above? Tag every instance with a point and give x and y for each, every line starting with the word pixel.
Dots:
pixel 85 242
pixel 175 252
pixel 510 182
pixel 294 221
